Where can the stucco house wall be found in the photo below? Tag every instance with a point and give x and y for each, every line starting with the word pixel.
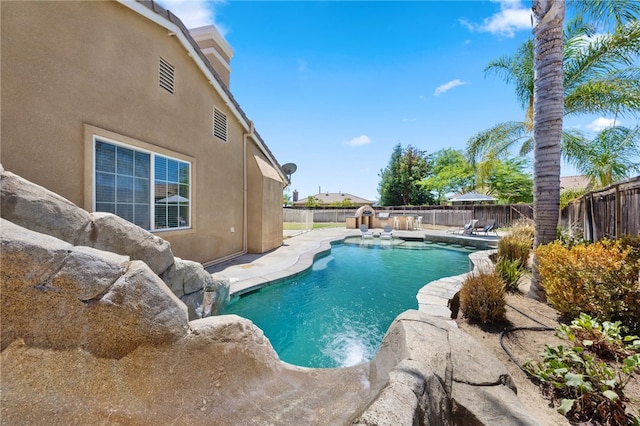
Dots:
pixel 73 71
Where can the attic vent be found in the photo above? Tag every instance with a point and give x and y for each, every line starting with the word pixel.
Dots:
pixel 166 74
pixel 219 124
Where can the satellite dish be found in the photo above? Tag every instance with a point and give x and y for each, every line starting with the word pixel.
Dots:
pixel 289 169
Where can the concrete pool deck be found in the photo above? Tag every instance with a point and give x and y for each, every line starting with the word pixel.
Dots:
pixel 297 253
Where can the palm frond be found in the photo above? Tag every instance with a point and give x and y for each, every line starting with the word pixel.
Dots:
pixel 496 141
pixel 607 12
pixel 612 155
pixel 617 93
pixel 588 59
pixel 516 69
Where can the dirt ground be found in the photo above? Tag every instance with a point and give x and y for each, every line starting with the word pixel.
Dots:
pixel 524 345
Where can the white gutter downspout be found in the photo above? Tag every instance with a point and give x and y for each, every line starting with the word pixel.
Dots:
pixel 245 179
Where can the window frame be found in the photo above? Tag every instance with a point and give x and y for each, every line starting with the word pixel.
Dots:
pixel 152 178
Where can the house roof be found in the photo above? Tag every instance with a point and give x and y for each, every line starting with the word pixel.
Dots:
pixel 163 17
pixel 334 197
pixel 471 196
pixel 575 182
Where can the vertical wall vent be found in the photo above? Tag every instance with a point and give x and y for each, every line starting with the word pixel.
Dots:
pixel 219 124
pixel 166 75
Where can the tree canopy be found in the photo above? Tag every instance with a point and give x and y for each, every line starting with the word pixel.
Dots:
pixel 451 172
pixel 400 180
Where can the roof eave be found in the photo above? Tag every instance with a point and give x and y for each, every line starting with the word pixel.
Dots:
pixel 156 13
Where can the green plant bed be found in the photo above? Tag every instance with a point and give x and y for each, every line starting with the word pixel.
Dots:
pixel 588 377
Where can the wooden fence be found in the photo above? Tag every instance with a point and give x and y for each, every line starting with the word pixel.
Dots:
pixel 504 214
pixel 605 213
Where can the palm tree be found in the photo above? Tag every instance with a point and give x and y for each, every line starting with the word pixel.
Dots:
pixel 548 95
pixel 613 155
pixel 609 13
pixel 600 76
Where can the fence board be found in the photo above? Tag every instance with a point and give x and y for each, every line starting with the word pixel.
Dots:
pixel 504 214
pixel 609 212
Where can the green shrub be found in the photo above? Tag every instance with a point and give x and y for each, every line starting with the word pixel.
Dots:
pixel 515 247
pixel 523 228
pixel 510 271
pixel 598 279
pixel 482 298
pixel 568 195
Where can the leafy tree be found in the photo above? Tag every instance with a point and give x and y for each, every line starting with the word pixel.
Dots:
pixel 450 172
pixel 614 154
pixel 286 199
pixel 345 202
pixel 510 182
pixel 400 180
pixel 312 201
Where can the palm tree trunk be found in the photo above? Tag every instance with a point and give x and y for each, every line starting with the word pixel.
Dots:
pixel 548 104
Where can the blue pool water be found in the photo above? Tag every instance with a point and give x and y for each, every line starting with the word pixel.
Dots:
pixel 336 314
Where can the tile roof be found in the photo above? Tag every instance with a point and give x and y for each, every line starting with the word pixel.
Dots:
pixel 575 182
pixel 334 197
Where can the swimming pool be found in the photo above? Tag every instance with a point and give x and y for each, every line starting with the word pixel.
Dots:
pixel 337 313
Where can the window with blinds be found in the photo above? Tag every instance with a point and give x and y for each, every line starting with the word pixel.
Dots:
pixel 219 125
pixel 123 177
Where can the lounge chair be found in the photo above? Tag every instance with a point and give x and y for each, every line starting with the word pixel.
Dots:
pixel 470 227
pixel 477 227
pixel 364 229
pixel 466 229
pixel 387 232
pixel 490 226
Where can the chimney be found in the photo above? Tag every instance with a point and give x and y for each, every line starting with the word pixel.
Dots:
pixel 295 195
pixel 215 48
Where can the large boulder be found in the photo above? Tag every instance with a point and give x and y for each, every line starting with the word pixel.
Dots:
pixel 34 207
pixel 203 294
pixel 38 209
pixel 55 295
pixel 434 373
pixel 109 232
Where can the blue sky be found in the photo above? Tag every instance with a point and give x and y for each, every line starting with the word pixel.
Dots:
pixel 333 86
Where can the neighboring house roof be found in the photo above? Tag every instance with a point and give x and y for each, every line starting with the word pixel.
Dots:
pixel 575 182
pixel 156 13
pixel 329 198
pixel 472 197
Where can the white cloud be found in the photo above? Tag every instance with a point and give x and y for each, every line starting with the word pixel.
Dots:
pixel 601 123
pixel 195 13
pixel 359 141
pixel 513 16
pixel 448 86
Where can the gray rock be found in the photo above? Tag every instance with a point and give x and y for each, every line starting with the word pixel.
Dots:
pixel 203 295
pixel 451 378
pixel 488 405
pixel 111 233
pixel 38 209
pixel 34 207
pixel 397 405
pixel 474 364
pixel 58 296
